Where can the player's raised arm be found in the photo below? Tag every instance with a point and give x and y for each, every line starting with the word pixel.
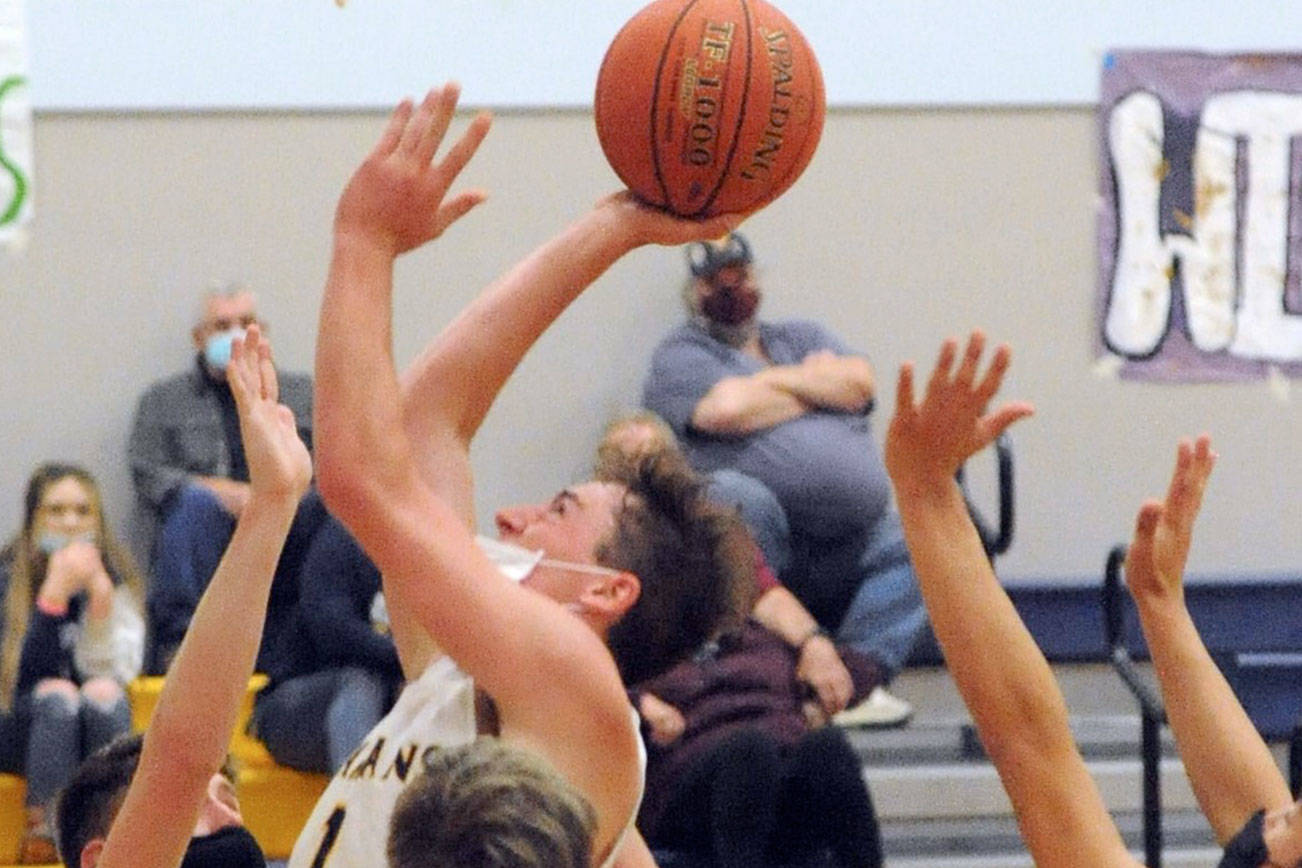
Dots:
pixel 450 387
pixel 554 682
pixel 1232 771
pixel 397 200
pixel 1000 672
pixel 191 728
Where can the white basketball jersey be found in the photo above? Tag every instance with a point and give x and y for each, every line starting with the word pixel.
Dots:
pixel 349 827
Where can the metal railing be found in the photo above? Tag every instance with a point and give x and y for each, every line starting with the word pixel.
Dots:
pixel 996 540
pixel 1152 711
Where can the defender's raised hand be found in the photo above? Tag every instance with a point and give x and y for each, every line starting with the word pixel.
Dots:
pixel 395 199
pixel 1164 529
pixel 927 442
pixel 278 461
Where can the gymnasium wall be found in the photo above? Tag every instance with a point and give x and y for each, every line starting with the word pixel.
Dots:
pixel 908 226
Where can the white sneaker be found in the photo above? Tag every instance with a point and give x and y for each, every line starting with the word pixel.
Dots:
pixel 880 709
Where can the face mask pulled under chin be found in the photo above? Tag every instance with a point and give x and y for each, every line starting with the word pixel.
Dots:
pixel 513 561
pixel 232 847
pixel 1247 849
pixel 517 562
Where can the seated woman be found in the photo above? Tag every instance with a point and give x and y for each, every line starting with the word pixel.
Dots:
pixel 73 636
pixel 1004 678
pixel 169 799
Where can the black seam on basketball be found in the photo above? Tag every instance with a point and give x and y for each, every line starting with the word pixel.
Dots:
pixel 655 104
pixel 741 118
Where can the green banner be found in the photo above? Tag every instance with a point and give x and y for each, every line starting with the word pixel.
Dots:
pixel 15 125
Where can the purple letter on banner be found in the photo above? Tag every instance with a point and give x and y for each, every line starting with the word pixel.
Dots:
pixel 1200 220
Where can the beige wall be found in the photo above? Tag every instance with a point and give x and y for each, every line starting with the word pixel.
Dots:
pixel 908 226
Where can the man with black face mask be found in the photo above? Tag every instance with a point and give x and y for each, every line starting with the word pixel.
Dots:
pixel 788 404
pixel 161 801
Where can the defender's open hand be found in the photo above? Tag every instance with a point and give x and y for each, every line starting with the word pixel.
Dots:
pixel 928 442
pixel 1164 529
pixel 278 461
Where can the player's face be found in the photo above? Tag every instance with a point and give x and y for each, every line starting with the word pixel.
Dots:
pixel 569 527
pixel 66 508
pixel 1282 832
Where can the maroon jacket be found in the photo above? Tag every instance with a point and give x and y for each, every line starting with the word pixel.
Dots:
pixel 746 679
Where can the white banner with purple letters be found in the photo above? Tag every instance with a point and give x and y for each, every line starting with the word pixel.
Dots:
pixel 1200 218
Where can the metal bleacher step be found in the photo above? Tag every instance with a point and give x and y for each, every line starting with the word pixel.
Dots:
pixel 934 842
pixel 940 802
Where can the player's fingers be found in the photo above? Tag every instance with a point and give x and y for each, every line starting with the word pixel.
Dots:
pixel 465 147
pixel 269 382
pixel 1150 513
pixel 999 421
pixel 994 376
pixel 904 390
pixel 393 129
pixel 442 110
pixel 451 212
pixel 944 362
pixel 413 133
pixel 236 371
pixel 976 344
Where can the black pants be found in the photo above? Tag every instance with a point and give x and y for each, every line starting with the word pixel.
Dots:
pixel 751 803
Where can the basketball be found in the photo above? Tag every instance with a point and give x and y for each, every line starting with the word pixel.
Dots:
pixel 709 107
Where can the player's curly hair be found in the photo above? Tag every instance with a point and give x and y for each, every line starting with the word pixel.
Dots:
pixel 488 804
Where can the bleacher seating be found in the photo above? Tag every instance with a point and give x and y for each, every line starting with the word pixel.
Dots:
pixel 275 800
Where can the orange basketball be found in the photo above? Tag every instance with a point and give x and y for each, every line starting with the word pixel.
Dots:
pixel 709 106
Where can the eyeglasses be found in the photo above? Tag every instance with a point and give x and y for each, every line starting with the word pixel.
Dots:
pixel 226 323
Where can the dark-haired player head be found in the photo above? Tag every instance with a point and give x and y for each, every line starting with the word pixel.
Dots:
pixel 87 806
pixel 674 563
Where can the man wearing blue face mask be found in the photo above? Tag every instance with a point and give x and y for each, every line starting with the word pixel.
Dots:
pixel 189 470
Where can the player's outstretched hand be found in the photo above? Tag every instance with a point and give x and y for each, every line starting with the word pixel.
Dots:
pixel 646 224
pixel 1164 529
pixel 398 198
pixel 279 465
pixel 927 442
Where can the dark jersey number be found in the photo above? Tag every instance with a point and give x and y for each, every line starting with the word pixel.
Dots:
pixel 332 826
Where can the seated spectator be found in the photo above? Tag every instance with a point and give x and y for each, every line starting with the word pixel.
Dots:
pixel 191 473
pixel 789 404
pixel 167 799
pixel 335 670
pixel 735 771
pixel 738 770
pixel 820 664
pixel 73 636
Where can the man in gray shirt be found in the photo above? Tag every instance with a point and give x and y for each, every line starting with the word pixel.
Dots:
pixel 788 404
pixel 187 464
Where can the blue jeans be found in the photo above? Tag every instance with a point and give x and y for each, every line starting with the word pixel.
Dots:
pixel 47 737
pixel 759 509
pixel 314 722
pixel 191 541
pixel 862 587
